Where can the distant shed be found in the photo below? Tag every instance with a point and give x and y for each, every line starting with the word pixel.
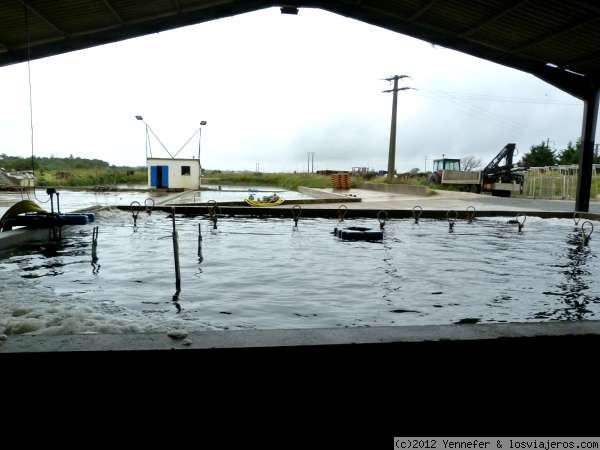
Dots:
pixel 169 173
pixel 23 178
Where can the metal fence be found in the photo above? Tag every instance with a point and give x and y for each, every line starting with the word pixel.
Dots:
pixel 554 182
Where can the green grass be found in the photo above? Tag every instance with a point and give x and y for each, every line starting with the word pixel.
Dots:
pixel 289 181
pixel 91 177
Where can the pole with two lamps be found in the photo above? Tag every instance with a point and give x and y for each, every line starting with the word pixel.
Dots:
pixel 202 123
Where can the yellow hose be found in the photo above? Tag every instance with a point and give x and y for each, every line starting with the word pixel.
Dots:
pixel 24 206
pixel 279 201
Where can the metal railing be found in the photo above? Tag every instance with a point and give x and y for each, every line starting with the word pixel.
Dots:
pixel 555 182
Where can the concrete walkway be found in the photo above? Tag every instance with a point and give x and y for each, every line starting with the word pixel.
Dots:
pixel 443 200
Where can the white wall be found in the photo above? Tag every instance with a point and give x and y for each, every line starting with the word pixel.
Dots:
pixel 176 180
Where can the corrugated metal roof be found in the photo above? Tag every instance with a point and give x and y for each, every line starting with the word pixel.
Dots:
pixel 525 34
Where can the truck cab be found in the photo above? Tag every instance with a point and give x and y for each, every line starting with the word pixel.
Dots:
pixel 446 164
pixel 439 165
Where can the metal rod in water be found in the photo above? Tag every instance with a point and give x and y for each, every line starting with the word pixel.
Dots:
pixel 452 216
pixel 176 256
pixel 149 208
pixel 470 213
pixel 94 244
pixel 342 210
pixel 200 257
pixel 382 216
pixel 96 267
pixel 135 210
pixel 296 212
pixel 417 211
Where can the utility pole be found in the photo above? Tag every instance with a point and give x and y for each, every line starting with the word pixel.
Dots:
pixel 392 151
pixel 309 156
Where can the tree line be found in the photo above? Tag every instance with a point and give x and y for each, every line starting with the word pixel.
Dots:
pixel 542 155
pixel 14 163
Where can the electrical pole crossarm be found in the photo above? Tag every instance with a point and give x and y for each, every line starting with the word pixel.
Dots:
pixel 396 90
pixel 397 77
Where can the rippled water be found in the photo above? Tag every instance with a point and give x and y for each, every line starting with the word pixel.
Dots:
pixel 262 274
pixel 236 194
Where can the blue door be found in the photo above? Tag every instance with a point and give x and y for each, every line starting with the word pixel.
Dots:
pixel 153 175
pixel 165 176
pixel 159 176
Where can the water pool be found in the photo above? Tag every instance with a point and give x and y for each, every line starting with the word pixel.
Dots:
pixel 260 273
pixel 75 200
pixel 235 194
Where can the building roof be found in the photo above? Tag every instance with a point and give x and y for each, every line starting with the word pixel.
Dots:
pixel 171 159
pixel 556 40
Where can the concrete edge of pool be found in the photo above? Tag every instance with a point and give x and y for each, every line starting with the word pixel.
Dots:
pixel 286 211
pixel 290 339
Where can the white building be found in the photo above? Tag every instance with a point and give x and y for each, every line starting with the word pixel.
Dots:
pixel 23 178
pixel 169 173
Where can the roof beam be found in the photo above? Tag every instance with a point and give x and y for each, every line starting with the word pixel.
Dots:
pixel 554 34
pixel 41 16
pixel 422 10
pixel 588 6
pixel 113 11
pixel 575 85
pixel 582 59
pixel 474 29
pixel 178 6
pixel 57 44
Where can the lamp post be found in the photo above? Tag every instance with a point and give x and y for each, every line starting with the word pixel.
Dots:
pixel 146 133
pixel 203 122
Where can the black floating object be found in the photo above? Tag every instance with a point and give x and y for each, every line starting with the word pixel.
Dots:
pixel 289 10
pixel 399 311
pixel 358 234
pixel 468 320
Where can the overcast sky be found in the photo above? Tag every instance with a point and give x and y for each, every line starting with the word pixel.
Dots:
pixel 273 87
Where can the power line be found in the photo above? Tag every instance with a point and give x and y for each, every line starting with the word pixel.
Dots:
pixel 501 98
pixel 479 113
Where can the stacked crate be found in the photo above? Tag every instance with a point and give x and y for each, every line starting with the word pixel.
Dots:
pixel 341 181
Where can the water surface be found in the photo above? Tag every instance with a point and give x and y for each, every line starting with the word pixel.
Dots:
pixel 263 273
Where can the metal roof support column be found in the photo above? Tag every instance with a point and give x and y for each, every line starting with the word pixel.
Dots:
pixel 588 133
